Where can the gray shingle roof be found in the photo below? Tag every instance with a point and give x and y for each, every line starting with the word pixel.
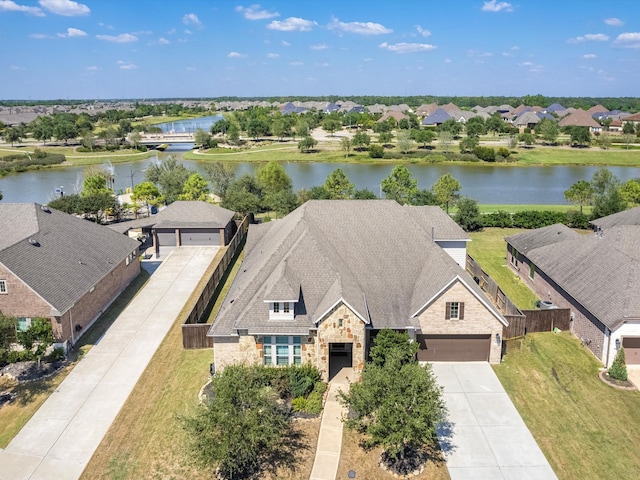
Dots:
pixel 375 255
pixel 193 215
pixel 437 117
pixel 601 272
pixel 532 239
pixel 626 217
pixel 70 256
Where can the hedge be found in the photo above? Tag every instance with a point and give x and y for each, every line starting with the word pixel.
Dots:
pixel 531 219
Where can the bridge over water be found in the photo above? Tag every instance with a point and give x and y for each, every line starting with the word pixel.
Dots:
pixel 160 138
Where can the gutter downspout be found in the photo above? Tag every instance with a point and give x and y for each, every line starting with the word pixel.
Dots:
pixel 73 341
pixel 606 363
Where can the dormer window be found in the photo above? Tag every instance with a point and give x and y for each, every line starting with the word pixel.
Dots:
pixel 283 310
pixel 285 307
pixel 276 307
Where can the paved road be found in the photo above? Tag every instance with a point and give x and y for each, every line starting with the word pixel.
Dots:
pixel 486 438
pixel 59 440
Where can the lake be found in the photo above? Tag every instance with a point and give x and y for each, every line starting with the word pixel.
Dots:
pixel 488 184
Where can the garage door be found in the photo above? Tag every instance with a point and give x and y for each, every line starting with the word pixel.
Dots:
pixel 167 239
pixel 631 350
pixel 197 237
pixel 454 348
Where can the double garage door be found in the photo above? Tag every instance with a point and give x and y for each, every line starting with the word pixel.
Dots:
pixel 631 350
pixel 454 348
pixel 189 237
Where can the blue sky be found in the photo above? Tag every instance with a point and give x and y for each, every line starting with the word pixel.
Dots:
pixel 205 48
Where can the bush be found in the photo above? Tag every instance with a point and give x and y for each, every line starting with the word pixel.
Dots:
pixel 299 404
pixel 538 218
pixel 14 356
pixel 302 379
pixel 320 387
pixel 376 151
pixel 500 219
pixel 618 369
pixel 55 355
pixel 314 403
pixel 486 154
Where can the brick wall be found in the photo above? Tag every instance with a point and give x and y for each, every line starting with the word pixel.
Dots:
pixel 20 300
pixel 584 325
pixel 477 318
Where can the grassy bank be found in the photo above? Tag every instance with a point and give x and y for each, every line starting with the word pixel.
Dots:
pixel 586 429
pixel 31 395
pixel 488 208
pixel 489 249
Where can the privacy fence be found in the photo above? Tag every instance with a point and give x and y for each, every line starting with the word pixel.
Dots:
pixel 194 333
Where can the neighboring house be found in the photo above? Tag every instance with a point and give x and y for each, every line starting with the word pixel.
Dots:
pixel 580 118
pixel 635 119
pixel 597 276
pixel 60 267
pixel 393 114
pixel 554 108
pixel 185 223
pixel 626 217
pixel 425 110
pixel 436 118
pixel 316 286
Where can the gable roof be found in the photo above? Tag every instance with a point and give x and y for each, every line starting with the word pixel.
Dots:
pixel 374 255
pixel 437 117
pixel 579 118
pixel 66 255
pixel 597 108
pixel 555 107
pixel 393 113
pixel 541 237
pixel 193 214
pixel 626 217
pixel 527 118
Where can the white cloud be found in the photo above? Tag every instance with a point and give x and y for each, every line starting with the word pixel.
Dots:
pixel 122 38
pixel 16 67
pixel 494 6
pixel 590 37
pixel 163 41
pixel 526 64
pixel 447 60
pixel 589 56
pixel 191 19
pixel 613 22
pixel 324 64
pixel 296 64
pixel 92 68
pixel 474 54
pixel 285 43
pixel 73 32
pixel 361 28
pixel 273 55
pixel 423 31
pixel 11 6
pixel 319 46
pixel 628 40
pixel 126 65
pixel 253 12
pixel 40 36
pixel 188 32
pixel 67 8
pixel 292 24
pixel 235 55
pixel 407 47
pixel 507 54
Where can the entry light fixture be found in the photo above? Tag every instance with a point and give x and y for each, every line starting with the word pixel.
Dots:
pixel 617 344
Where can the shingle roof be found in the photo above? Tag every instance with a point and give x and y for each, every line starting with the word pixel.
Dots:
pixel 437 117
pixel 626 217
pixel 540 237
pixel 602 272
pixel 66 256
pixel 193 214
pixel 579 118
pixel 375 255
pixel 555 107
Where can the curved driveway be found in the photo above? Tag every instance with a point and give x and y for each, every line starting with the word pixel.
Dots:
pixel 59 440
pixel 485 437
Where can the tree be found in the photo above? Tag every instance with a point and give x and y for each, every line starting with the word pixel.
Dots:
pixel 527 138
pixel 307 143
pixel 405 142
pixel 338 185
pixel 244 195
pixel 96 181
pixel 628 128
pixel 7 335
pixel 146 192
pixel 446 138
pixel 618 370
pixel 452 126
pixel 170 176
pixel 468 215
pixel 468 143
pixel 446 190
pixel 475 127
pixel 202 138
pixel 400 185
pixel 630 191
pixel 65 130
pixel 220 176
pixel 361 140
pixel 376 151
pixel 273 178
pixel 494 124
pixel 42 129
pixel 423 197
pixel 282 202
pixel 88 140
pixel 37 338
pixel 580 193
pixel 580 136
pixel 392 346
pixel 607 198
pixel 364 194
pixel 548 130
pixel 302 129
pixel 12 135
pixel 374 405
pixel 233 133
pixel 331 125
pixel 345 144
pixel 195 188
pixel 423 136
pixel 242 428
pixel 628 139
pixel 385 138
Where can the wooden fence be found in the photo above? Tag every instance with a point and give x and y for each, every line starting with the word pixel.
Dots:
pixel 194 333
pixel 491 288
pixel 538 321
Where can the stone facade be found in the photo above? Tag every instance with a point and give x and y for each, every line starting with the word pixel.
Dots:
pixel 351 331
pixel 22 301
pixel 584 325
pixel 226 351
pixel 478 319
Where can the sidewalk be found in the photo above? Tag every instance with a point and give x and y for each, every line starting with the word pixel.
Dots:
pixel 325 465
pixel 60 439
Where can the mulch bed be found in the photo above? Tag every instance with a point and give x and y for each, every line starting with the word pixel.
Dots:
pixel 29 371
pixel 619 384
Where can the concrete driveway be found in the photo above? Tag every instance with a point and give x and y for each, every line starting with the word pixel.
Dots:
pixel 633 374
pixel 485 437
pixel 59 440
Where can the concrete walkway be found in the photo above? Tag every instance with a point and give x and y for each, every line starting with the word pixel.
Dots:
pixel 485 437
pixel 325 465
pixel 60 439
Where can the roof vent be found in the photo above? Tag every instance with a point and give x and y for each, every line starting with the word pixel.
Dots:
pixel 34 242
pixel 45 208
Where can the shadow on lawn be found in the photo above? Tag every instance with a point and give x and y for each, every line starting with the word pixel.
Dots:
pixel 287 456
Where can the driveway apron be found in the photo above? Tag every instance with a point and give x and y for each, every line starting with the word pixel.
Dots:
pixel 60 439
pixel 485 437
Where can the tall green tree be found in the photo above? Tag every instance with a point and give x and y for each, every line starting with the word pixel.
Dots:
pixel 12 135
pixel 424 136
pixel 195 188
pixel 345 144
pixel 244 195
pixel 273 178
pixel 146 192
pixel 548 130
pixel 96 181
pixel 468 215
pixel 338 185
pixel 220 175
pixel 170 176
pixel 447 190
pixel 361 140
pixel 400 185
pixel 405 142
pixel 580 193
pixel 202 138
pixel 607 198
pixel 580 135
pixel 331 125
pixel 630 191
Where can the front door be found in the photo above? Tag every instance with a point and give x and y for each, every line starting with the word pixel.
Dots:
pixel 340 356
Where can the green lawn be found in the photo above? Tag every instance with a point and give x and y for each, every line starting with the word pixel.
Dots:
pixel 487 208
pixel 489 249
pixel 577 156
pixel 586 429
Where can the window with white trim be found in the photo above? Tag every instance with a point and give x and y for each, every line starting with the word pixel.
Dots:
pixel 282 350
pixel 23 324
pixel 3 286
pixel 285 307
pixel 454 311
pixel 281 310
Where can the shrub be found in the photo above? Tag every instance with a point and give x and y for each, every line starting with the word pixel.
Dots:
pixel 19 356
pixel 299 404
pixel 538 218
pixel 503 152
pixel 314 403
pixel 486 154
pixel 320 387
pixel 55 355
pixel 302 379
pixel 500 219
pixel 376 151
pixel 618 369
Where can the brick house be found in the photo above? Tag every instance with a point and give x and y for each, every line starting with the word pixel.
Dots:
pixel 316 287
pixel 597 276
pixel 60 267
